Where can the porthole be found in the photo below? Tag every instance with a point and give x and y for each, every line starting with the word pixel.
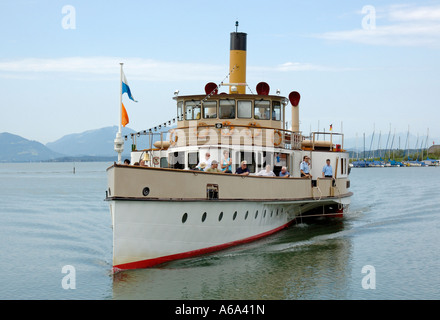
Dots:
pixel 246 215
pixel 204 217
pixel 256 214
pixel 271 213
pixel 184 217
pixel 146 191
pixel 220 217
pixel 234 216
pixel 277 212
pixel 264 215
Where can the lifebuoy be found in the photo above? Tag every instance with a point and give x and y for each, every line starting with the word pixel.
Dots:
pixel 277 141
pixel 173 137
pixel 229 130
pixel 155 161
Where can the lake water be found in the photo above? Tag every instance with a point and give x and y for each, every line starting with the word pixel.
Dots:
pixel 51 217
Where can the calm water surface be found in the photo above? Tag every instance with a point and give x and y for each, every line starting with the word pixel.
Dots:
pixel 51 217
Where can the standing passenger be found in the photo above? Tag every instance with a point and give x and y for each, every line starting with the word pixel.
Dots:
pixel 305 168
pixel 207 162
pixel 226 165
pixel 327 171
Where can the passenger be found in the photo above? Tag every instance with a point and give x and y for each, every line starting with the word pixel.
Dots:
pixel 284 173
pixel 327 171
pixel 243 169
pixel 143 163
pixel 127 162
pixel 214 167
pixel 202 166
pixel 226 165
pixel 207 161
pixel 305 168
pixel 136 163
pixel 266 172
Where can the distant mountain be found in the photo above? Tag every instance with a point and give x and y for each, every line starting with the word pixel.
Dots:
pixel 98 142
pixel 14 148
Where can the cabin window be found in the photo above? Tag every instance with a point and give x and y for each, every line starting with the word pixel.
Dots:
pixel 180 110
pixel 177 160
pixel 244 109
pixel 164 162
pixel 192 110
pixel 267 159
pixel 209 109
pixel 262 110
pixel 227 109
pixel 193 159
pixel 276 110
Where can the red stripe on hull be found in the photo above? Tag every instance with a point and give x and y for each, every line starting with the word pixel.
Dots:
pixel 153 262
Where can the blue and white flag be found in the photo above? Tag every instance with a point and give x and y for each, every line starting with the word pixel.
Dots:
pixel 125 87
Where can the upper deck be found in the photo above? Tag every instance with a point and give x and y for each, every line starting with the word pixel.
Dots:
pixel 235 109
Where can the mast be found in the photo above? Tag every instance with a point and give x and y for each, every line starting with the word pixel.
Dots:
pixel 386 147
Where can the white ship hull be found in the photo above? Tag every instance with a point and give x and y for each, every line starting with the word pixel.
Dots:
pixel 147 233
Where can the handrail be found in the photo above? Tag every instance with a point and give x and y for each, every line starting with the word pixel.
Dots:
pixel 291 140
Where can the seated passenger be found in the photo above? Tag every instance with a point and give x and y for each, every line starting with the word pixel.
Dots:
pixel 266 172
pixel 243 169
pixel 214 167
pixel 284 173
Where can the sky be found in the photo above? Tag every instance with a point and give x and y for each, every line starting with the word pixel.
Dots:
pixel 358 65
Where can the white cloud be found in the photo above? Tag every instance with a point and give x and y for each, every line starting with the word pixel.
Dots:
pixel 397 25
pixel 409 13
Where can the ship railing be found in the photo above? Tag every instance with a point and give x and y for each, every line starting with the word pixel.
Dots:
pixel 319 140
pixel 248 135
pixel 205 134
pixel 231 134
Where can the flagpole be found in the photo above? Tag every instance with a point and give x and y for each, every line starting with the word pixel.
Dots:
pixel 119 142
pixel 120 101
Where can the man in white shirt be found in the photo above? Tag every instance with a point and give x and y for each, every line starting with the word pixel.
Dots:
pixel 266 172
pixel 207 161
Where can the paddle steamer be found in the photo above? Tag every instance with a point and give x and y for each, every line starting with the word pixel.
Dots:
pixel 163 210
